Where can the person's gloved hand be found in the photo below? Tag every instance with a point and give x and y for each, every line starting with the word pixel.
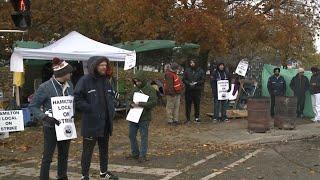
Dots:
pixel 133 105
pixel 52 121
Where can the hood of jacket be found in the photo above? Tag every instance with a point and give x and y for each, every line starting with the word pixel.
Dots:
pixel 141 76
pixel 224 67
pixel 93 63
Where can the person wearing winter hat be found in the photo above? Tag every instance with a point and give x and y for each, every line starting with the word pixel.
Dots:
pixel 220 106
pixel 172 89
pixel 315 93
pixel 40 106
pixel 300 85
pixel 276 87
pixel 193 79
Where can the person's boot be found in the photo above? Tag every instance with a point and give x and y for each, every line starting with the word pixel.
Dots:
pixel 132 156
pixel 143 159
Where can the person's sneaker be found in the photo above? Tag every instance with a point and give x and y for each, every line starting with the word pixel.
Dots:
pixel 214 120
pixel 175 123
pixel 84 178
pixel 170 123
pixel 132 156
pixel 197 120
pixel 143 159
pixel 108 175
pixel 227 120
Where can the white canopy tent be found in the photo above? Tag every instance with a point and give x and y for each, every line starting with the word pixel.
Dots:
pixel 74 46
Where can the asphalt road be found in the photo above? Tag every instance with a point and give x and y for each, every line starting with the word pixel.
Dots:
pixel 298 160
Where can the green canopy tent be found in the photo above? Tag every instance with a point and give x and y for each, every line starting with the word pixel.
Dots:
pixel 148 50
pixel 31 45
pixel 288 74
pixel 149 45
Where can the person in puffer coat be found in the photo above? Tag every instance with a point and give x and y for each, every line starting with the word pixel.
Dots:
pixel 94 98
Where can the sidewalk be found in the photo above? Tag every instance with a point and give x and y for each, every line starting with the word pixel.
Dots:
pixel 236 133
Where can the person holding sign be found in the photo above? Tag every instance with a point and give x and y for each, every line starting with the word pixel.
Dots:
pixel 41 106
pixel 193 78
pixel 220 85
pixel 141 86
pixel 94 97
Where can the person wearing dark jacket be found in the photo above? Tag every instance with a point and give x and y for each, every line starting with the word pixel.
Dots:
pixel 141 85
pixel 193 78
pixel 276 87
pixel 220 106
pixel 300 85
pixel 58 85
pixel 94 97
pixel 315 93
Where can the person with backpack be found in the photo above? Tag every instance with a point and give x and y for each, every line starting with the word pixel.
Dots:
pixel 193 79
pixel 172 89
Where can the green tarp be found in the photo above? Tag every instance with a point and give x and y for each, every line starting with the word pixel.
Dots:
pixel 31 45
pixel 148 45
pixel 288 74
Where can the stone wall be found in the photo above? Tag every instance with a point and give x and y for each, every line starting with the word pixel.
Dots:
pixel 6 81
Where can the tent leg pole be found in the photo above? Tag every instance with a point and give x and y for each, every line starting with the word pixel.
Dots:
pixel 18 96
pixel 117 76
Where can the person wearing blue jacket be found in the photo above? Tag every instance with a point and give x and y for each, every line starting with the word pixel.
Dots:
pixel 94 97
pixel 276 87
pixel 40 106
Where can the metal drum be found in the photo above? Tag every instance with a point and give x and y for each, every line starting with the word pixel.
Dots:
pixel 285 112
pixel 259 115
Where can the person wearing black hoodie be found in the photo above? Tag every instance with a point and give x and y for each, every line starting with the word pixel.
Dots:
pixel 94 97
pixel 193 78
pixel 220 106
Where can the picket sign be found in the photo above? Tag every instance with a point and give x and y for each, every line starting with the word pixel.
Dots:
pixel 11 121
pixel 62 110
pixel 130 61
pixel 242 68
pixel 223 87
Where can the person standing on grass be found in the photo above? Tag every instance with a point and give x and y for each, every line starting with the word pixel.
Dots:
pixel 315 93
pixel 172 89
pixel 276 87
pixel 193 79
pixel 94 97
pixel 300 85
pixel 58 85
pixel 141 86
